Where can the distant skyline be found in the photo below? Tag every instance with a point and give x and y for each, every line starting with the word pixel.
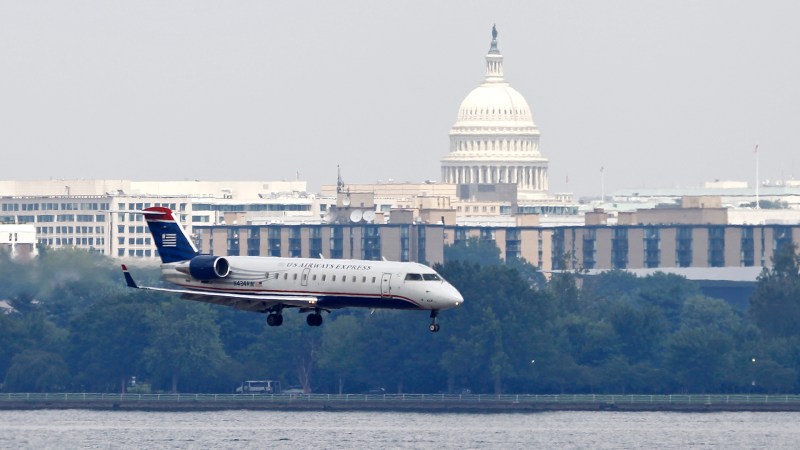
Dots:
pixel 659 94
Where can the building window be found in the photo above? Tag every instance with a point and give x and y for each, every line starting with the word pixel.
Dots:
pixel 253 241
pixel 716 246
pixel 652 248
pixel 371 243
pixel 748 253
pixel 683 247
pixel 315 242
pixel 421 244
pixel 513 244
pixel 459 235
pixel 274 240
pixel 619 248
pixel 337 242
pixel 589 248
pixel 558 256
pixel 295 245
pixel 404 240
pixel 233 242
pixel 782 237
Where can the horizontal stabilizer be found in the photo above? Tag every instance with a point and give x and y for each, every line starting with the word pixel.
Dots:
pixel 129 278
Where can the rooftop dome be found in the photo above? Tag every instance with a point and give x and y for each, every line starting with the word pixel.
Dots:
pixel 494 139
pixel 494 100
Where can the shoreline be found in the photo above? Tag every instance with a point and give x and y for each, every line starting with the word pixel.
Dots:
pixel 434 403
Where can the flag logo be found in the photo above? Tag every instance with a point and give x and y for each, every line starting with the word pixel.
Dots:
pixel 169 240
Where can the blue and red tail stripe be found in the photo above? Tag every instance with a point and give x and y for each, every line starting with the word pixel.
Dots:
pixel 171 240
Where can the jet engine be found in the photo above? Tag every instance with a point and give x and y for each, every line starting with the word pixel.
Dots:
pixel 209 267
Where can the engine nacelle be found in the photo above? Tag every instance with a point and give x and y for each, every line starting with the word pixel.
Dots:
pixel 209 267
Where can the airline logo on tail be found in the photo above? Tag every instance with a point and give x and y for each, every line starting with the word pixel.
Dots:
pixel 169 240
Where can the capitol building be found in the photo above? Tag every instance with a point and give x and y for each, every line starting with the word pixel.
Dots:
pixel 494 188
pixel 494 139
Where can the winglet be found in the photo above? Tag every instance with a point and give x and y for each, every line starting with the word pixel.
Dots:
pixel 129 278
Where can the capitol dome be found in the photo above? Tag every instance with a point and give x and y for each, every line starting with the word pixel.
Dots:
pixel 494 102
pixel 494 139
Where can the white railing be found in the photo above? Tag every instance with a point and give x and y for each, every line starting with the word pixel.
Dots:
pixel 688 399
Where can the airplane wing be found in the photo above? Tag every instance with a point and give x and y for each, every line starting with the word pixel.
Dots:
pixel 247 302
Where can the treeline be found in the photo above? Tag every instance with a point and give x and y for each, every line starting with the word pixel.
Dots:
pixel 76 327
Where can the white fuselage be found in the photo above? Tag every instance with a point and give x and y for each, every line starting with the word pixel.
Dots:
pixel 335 283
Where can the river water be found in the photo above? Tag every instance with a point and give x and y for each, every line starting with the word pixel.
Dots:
pixel 241 429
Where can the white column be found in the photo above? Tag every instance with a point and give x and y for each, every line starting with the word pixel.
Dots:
pixel 530 178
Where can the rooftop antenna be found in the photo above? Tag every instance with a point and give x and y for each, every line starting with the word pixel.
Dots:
pixel 602 184
pixel 339 182
pixel 758 182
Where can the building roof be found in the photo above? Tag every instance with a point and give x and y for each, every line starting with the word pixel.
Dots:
pixel 741 274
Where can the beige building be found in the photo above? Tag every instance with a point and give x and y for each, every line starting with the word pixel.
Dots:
pixel 696 235
pixel 394 242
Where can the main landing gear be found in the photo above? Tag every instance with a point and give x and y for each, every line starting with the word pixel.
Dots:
pixel 275 319
pixel 314 319
pixel 434 327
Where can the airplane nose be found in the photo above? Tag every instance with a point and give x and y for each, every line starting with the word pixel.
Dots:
pixel 457 298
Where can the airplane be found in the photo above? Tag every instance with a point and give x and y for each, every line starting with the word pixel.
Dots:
pixel 268 285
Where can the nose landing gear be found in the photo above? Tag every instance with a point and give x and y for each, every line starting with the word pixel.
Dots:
pixel 434 327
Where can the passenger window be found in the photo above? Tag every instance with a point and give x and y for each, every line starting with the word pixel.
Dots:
pixel 323 277
pixel 285 276
pixel 364 280
pixel 266 275
pixel 333 278
pixel 294 277
pixel 373 279
pixel 344 278
pixel 354 278
pixel 314 277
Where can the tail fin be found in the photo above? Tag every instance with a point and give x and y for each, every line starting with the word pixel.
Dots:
pixel 171 240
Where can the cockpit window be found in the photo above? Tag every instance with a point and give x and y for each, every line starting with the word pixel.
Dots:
pixel 431 277
pixel 414 277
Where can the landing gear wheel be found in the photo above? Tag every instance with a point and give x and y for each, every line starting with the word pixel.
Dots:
pixel 275 320
pixel 434 327
pixel 314 320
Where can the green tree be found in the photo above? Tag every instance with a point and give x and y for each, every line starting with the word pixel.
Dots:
pixel 185 346
pixel 37 371
pixel 71 280
pixel 775 304
pixel 107 342
pixel 343 348
pixel 700 353
pixel 641 329
pixel 483 252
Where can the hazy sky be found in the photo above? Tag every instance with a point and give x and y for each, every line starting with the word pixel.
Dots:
pixel 662 94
